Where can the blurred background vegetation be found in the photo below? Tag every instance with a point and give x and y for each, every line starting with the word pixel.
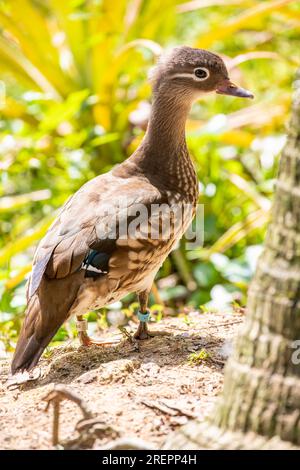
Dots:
pixel 77 103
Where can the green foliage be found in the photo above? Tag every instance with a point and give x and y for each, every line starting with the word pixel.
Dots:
pixel 199 357
pixel 75 71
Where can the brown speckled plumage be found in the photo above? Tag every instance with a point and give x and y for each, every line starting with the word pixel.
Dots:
pixel 159 171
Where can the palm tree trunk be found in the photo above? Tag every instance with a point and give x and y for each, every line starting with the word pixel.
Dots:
pixel 260 403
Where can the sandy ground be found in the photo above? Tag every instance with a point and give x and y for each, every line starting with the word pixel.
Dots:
pixel 143 391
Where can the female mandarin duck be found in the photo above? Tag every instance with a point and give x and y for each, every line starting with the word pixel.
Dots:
pixel 83 263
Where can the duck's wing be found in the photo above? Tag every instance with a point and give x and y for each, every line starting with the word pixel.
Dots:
pixel 90 220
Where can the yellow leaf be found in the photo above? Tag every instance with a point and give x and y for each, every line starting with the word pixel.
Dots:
pixel 241 21
pixel 247 188
pixel 18 278
pixel 237 137
pixel 239 231
pixel 13 202
pixel 33 44
pixel 199 4
pixel 233 235
pixel 26 241
pixel 15 56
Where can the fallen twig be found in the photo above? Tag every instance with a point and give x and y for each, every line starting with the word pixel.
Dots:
pixel 171 410
pixel 57 395
pixel 89 428
pixel 224 324
pixel 157 406
pixel 180 410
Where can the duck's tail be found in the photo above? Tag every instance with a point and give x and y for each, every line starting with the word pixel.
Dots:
pixel 35 335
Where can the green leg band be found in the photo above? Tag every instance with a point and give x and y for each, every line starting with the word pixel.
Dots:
pixel 143 317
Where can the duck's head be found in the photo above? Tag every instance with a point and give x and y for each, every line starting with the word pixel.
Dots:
pixel 194 71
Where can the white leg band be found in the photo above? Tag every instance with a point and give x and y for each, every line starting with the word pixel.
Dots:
pixel 81 325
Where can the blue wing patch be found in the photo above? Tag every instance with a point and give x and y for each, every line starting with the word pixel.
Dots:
pixel 95 264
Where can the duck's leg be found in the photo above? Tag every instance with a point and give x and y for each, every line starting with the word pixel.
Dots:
pixel 85 340
pixel 144 317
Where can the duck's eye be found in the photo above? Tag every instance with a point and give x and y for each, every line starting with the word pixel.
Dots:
pixel 201 73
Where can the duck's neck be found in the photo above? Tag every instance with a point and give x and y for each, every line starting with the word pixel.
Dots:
pixel 163 151
pixel 166 129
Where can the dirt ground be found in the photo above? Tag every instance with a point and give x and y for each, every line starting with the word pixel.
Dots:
pixel 131 392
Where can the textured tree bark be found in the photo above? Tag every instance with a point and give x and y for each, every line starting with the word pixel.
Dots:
pixel 260 403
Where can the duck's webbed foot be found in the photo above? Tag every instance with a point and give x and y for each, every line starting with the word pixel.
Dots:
pixel 143 332
pixel 84 338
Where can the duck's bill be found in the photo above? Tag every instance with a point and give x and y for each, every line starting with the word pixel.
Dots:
pixel 228 88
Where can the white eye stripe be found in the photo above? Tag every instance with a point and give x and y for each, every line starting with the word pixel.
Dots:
pixel 183 75
pixel 192 74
